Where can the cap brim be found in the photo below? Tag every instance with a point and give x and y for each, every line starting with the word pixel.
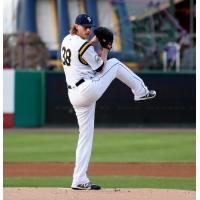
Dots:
pixel 87 25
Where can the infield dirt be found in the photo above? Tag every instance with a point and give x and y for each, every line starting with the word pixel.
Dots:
pixel 66 169
pixel 105 194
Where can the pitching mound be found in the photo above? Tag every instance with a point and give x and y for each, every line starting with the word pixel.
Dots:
pixel 105 194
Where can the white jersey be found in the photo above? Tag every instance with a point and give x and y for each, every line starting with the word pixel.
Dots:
pixel 79 59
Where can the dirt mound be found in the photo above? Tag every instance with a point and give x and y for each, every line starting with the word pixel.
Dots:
pixel 105 194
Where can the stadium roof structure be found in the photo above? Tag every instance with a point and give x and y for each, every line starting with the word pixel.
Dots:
pixel 139 9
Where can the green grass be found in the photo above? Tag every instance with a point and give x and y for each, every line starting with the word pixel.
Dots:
pixel 105 182
pixel 107 147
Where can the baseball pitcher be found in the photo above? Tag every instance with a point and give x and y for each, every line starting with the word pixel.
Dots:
pixel 88 75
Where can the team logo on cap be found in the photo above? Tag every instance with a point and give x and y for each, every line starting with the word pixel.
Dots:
pixel 89 19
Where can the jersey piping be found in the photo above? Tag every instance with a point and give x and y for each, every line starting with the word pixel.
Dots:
pixel 81 51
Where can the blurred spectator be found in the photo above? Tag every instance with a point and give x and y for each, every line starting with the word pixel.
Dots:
pixel 171 56
pixel 189 54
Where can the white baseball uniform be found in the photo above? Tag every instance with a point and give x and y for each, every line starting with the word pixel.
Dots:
pixel 80 62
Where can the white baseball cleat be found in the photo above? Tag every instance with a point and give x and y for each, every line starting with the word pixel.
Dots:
pixel 150 95
pixel 86 186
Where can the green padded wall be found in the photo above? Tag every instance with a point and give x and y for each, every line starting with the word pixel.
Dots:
pixel 29 99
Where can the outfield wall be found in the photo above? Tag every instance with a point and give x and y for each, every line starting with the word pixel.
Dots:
pixel 40 99
pixel 175 104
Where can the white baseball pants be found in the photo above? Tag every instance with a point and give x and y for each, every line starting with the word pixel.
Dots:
pixel 84 97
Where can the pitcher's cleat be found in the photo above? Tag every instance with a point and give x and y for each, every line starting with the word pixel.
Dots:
pixel 86 186
pixel 150 95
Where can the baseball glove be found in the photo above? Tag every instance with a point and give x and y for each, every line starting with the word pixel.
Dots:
pixel 105 37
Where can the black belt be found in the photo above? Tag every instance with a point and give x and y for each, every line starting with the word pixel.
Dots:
pixel 76 84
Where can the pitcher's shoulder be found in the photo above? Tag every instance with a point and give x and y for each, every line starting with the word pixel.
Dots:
pixel 74 41
pixel 79 39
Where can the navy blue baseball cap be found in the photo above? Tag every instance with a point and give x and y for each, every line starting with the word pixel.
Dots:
pixel 84 20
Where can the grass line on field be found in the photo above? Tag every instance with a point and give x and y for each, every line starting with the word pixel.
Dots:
pixel 105 182
pixel 107 147
pixel 99 130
